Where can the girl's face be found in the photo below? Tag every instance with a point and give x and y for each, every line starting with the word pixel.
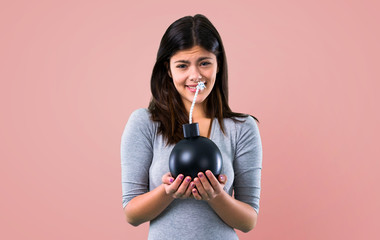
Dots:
pixel 187 68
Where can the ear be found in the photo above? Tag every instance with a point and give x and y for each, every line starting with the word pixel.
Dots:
pixel 168 69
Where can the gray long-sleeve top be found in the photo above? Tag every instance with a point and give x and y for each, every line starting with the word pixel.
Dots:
pixel 145 159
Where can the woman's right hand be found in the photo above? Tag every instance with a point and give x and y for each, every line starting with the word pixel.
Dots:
pixel 179 187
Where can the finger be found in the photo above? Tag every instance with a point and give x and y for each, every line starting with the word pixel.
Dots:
pixel 196 194
pixel 182 188
pixel 206 184
pixel 189 189
pixel 166 176
pixel 222 179
pixel 174 186
pixel 200 189
pixel 167 180
pixel 214 182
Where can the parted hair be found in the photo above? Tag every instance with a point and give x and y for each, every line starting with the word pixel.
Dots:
pixel 166 106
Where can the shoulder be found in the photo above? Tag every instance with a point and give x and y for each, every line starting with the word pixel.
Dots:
pixel 140 121
pixel 247 123
pixel 242 124
pixel 141 114
pixel 141 117
pixel 242 129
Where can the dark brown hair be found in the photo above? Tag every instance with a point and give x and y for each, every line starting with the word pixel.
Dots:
pixel 166 105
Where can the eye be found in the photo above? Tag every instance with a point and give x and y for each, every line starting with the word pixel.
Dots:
pixel 181 66
pixel 205 63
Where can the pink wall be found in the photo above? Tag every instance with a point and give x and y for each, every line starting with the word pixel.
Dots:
pixel 72 72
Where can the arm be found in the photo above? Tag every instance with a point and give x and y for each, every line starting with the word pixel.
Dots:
pixel 136 157
pixel 240 212
pixel 140 204
pixel 233 212
pixel 149 205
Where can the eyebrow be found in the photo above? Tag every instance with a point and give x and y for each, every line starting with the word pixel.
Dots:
pixel 200 59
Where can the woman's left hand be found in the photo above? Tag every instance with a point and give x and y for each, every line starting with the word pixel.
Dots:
pixel 207 186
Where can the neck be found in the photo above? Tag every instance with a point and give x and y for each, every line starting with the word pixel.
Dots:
pixel 198 112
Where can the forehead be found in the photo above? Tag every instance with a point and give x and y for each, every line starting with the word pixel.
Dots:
pixel 192 53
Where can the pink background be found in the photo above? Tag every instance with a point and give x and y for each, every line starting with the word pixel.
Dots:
pixel 72 72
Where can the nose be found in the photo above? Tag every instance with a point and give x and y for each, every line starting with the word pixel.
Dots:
pixel 195 75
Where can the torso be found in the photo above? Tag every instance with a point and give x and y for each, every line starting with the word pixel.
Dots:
pixel 148 160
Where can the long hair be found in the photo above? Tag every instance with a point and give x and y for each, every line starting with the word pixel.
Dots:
pixel 166 106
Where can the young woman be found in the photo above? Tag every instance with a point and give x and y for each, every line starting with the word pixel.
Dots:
pixel 205 207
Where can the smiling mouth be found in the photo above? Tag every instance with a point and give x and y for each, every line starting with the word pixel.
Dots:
pixel 194 87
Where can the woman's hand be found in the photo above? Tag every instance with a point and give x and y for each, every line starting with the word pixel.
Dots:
pixel 176 187
pixel 208 189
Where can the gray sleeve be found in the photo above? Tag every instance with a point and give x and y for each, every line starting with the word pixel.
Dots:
pixel 136 155
pixel 248 163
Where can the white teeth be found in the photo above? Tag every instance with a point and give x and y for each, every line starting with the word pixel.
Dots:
pixel 195 87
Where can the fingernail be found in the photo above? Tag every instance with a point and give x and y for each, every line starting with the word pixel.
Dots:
pixel 200 175
pixel 171 180
pixel 187 179
pixel 221 178
pixel 181 177
pixel 192 184
pixel 194 190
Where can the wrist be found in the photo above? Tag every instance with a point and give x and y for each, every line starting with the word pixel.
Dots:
pixel 164 193
pixel 218 198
